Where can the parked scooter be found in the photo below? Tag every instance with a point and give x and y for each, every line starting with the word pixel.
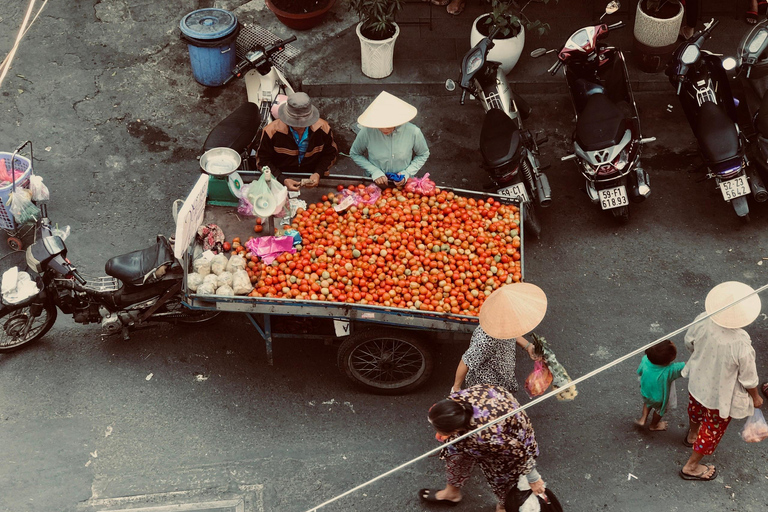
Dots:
pixel 705 94
pixel 750 89
pixel 510 152
pixel 607 139
pixel 142 287
pixel 264 82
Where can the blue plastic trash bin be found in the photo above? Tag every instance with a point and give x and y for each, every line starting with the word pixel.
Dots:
pixel 210 35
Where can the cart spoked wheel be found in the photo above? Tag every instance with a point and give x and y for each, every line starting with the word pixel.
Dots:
pixel 15 243
pixel 385 361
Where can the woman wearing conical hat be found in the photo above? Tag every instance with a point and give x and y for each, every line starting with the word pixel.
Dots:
pixel 389 146
pixel 505 316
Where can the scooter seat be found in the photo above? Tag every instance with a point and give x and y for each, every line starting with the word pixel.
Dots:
pixel 237 130
pixel 600 124
pixel 499 138
pixel 717 134
pixel 132 267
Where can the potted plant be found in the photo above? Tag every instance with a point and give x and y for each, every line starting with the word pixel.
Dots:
pixel 508 16
pixel 657 25
pixel 377 31
pixel 300 14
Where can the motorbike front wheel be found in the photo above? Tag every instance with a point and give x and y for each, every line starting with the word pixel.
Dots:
pixel 24 324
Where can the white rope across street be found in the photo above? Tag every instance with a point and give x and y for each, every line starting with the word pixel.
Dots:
pixel 538 400
pixel 5 66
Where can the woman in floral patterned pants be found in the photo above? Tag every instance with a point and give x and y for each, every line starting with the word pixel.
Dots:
pixel 504 451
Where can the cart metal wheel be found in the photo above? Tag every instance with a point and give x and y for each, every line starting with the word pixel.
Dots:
pixel 385 361
pixel 15 243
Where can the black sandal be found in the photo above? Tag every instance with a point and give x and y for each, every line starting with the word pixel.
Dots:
pixel 429 495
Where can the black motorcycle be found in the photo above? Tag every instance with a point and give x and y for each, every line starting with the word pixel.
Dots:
pixel 705 94
pixel 510 152
pixel 750 89
pixel 141 287
pixel 607 138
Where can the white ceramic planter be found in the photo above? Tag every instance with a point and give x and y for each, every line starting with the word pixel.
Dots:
pixel 657 32
pixel 377 57
pixel 507 51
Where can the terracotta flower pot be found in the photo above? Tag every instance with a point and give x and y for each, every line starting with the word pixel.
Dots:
pixel 301 21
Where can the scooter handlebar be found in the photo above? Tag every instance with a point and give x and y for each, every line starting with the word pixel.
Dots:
pixel 618 24
pixel 555 67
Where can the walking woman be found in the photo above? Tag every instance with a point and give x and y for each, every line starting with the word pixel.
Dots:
pixel 505 451
pixel 505 316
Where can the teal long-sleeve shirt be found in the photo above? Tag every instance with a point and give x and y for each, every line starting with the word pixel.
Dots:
pixel 655 382
pixel 404 151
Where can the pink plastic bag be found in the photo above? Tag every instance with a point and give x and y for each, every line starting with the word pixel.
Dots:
pixel 374 193
pixel 539 379
pixel 245 207
pixel 423 186
pixel 756 429
pixel 5 175
pixel 270 247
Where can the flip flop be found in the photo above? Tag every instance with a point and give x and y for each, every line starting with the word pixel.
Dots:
pixel 686 476
pixel 463 3
pixel 685 441
pixel 750 17
pixel 428 495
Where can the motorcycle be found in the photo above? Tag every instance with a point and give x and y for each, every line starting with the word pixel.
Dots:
pixel 141 287
pixel 607 138
pixel 510 152
pixel 750 90
pixel 703 88
pixel 264 84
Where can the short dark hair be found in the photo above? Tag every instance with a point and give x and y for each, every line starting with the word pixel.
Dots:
pixel 662 353
pixel 448 416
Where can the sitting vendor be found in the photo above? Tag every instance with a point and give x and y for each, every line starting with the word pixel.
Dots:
pixel 297 141
pixel 396 149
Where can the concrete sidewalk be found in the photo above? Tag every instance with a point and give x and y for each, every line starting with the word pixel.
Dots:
pixel 432 43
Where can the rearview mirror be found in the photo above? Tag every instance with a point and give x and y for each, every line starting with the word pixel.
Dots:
pixel 538 52
pixel 612 7
pixel 450 85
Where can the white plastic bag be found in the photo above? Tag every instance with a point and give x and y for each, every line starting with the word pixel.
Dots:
pixel 756 429
pixel 211 279
pixel 202 266
pixel 241 283
pixel 39 190
pixel 218 264
pixel 280 193
pixel 260 196
pixel 194 280
pixel 22 207
pixel 225 279
pixel 206 289
pixel 236 262
pixel 225 291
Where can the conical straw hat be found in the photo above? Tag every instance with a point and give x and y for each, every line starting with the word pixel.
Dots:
pixel 387 111
pixel 513 310
pixel 738 315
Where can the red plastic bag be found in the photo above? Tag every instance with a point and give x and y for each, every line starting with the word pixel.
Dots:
pixel 756 429
pixel 539 379
pixel 423 186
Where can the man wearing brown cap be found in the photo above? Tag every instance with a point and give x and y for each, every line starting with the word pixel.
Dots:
pixel 298 141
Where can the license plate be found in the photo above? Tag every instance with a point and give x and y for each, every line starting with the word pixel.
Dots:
pixel 734 188
pixel 613 197
pixel 515 191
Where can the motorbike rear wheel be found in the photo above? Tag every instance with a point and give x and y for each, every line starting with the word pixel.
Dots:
pixel 621 213
pixel 21 325
pixel 531 221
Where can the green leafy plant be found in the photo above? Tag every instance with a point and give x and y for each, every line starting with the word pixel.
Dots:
pixel 377 16
pixel 508 16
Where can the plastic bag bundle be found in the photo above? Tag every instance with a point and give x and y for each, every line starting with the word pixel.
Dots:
pixel 202 266
pixel 756 429
pixel 245 207
pixel 219 264
pixel 211 237
pixel 280 193
pixel 194 280
pixel 5 175
pixel 236 262
pixel 241 282
pixel 21 206
pixel 225 291
pixel 225 279
pixel 539 380
pixel 206 289
pixel 373 192
pixel 423 186
pixel 211 279
pixel 38 188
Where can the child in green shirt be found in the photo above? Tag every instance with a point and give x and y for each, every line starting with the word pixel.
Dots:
pixel 657 375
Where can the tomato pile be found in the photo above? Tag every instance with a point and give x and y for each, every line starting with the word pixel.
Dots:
pixel 442 253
